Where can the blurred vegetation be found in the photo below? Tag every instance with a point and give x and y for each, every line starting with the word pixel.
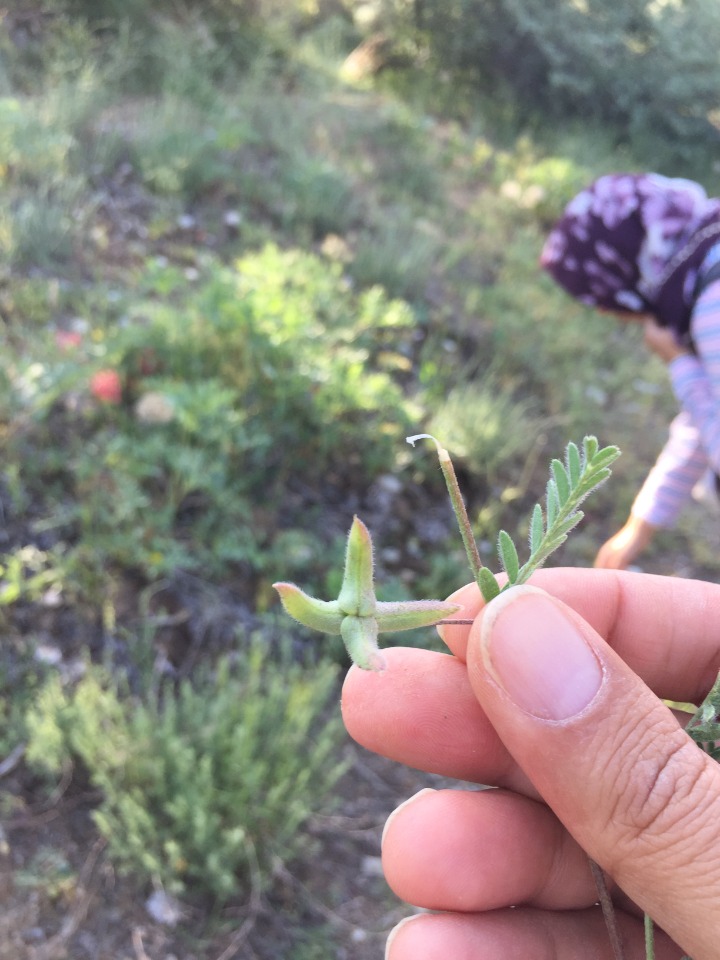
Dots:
pixel 201 790
pixel 647 70
pixel 246 248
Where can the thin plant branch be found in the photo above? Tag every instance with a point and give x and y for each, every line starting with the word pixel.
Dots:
pixel 649 938
pixel 608 910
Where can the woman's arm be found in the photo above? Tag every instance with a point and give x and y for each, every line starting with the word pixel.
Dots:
pixel 696 380
pixel 669 484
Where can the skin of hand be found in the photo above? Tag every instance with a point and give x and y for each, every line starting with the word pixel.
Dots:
pixel 552 697
pixel 661 341
pixel 622 548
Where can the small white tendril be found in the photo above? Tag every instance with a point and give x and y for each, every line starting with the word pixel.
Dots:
pixel 441 451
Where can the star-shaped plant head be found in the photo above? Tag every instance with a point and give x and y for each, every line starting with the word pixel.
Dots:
pixel 357 616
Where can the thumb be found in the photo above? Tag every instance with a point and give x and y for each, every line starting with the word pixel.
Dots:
pixel 607 756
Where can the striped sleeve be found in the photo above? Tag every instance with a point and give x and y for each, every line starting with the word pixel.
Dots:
pixel 678 468
pixel 696 380
pixel 694 443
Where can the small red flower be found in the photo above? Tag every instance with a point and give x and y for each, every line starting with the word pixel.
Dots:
pixel 106 386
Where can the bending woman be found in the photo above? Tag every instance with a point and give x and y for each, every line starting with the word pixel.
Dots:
pixel 647 249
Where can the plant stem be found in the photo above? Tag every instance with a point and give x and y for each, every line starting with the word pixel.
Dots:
pixel 649 938
pixel 608 910
pixel 458 504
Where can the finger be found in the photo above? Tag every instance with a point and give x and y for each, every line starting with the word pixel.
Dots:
pixel 474 851
pixel 522 934
pixel 421 711
pixel 637 614
pixel 607 756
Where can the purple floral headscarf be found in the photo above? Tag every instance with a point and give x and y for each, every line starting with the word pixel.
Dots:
pixel 633 243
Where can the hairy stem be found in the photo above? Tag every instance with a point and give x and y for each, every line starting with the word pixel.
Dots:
pixel 458 504
pixel 649 938
pixel 608 910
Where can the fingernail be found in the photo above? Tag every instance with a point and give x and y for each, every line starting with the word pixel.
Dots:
pixel 395 930
pixel 538 655
pixel 402 806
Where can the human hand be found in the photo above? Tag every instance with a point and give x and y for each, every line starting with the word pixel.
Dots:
pixel 661 341
pixel 588 759
pixel 622 548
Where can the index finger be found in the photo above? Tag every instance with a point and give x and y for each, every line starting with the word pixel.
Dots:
pixel 666 629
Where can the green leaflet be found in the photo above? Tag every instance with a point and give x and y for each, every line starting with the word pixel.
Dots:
pixel 508 555
pixel 569 484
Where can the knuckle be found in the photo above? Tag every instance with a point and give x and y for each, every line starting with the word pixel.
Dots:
pixel 664 789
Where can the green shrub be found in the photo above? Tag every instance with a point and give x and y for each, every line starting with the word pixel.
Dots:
pixel 203 789
pixel 301 365
pixel 616 60
pixel 19 679
pixel 270 370
pixel 44 206
pixel 647 68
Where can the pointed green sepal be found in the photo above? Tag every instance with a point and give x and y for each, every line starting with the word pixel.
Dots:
pixel 357 594
pixel 322 615
pixel 360 638
pixel 412 613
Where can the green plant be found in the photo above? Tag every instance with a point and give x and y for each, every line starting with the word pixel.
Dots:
pixel 569 484
pixel 576 59
pixel 225 395
pixel 202 789
pixel 398 252
pixel 486 425
pixel 358 617
pixel 313 194
pixel 20 677
pixel 182 149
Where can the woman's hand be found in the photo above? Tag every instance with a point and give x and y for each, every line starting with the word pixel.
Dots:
pixel 622 548
pixel 661 341
pixel 553 697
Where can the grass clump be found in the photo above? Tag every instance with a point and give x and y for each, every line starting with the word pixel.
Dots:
pixel 486 426
pixel 202 788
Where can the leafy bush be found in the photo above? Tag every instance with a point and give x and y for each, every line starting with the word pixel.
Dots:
pixel 648 68
pixel 202 790
pixel 627 54
pixel 225 37
pixel 267 371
